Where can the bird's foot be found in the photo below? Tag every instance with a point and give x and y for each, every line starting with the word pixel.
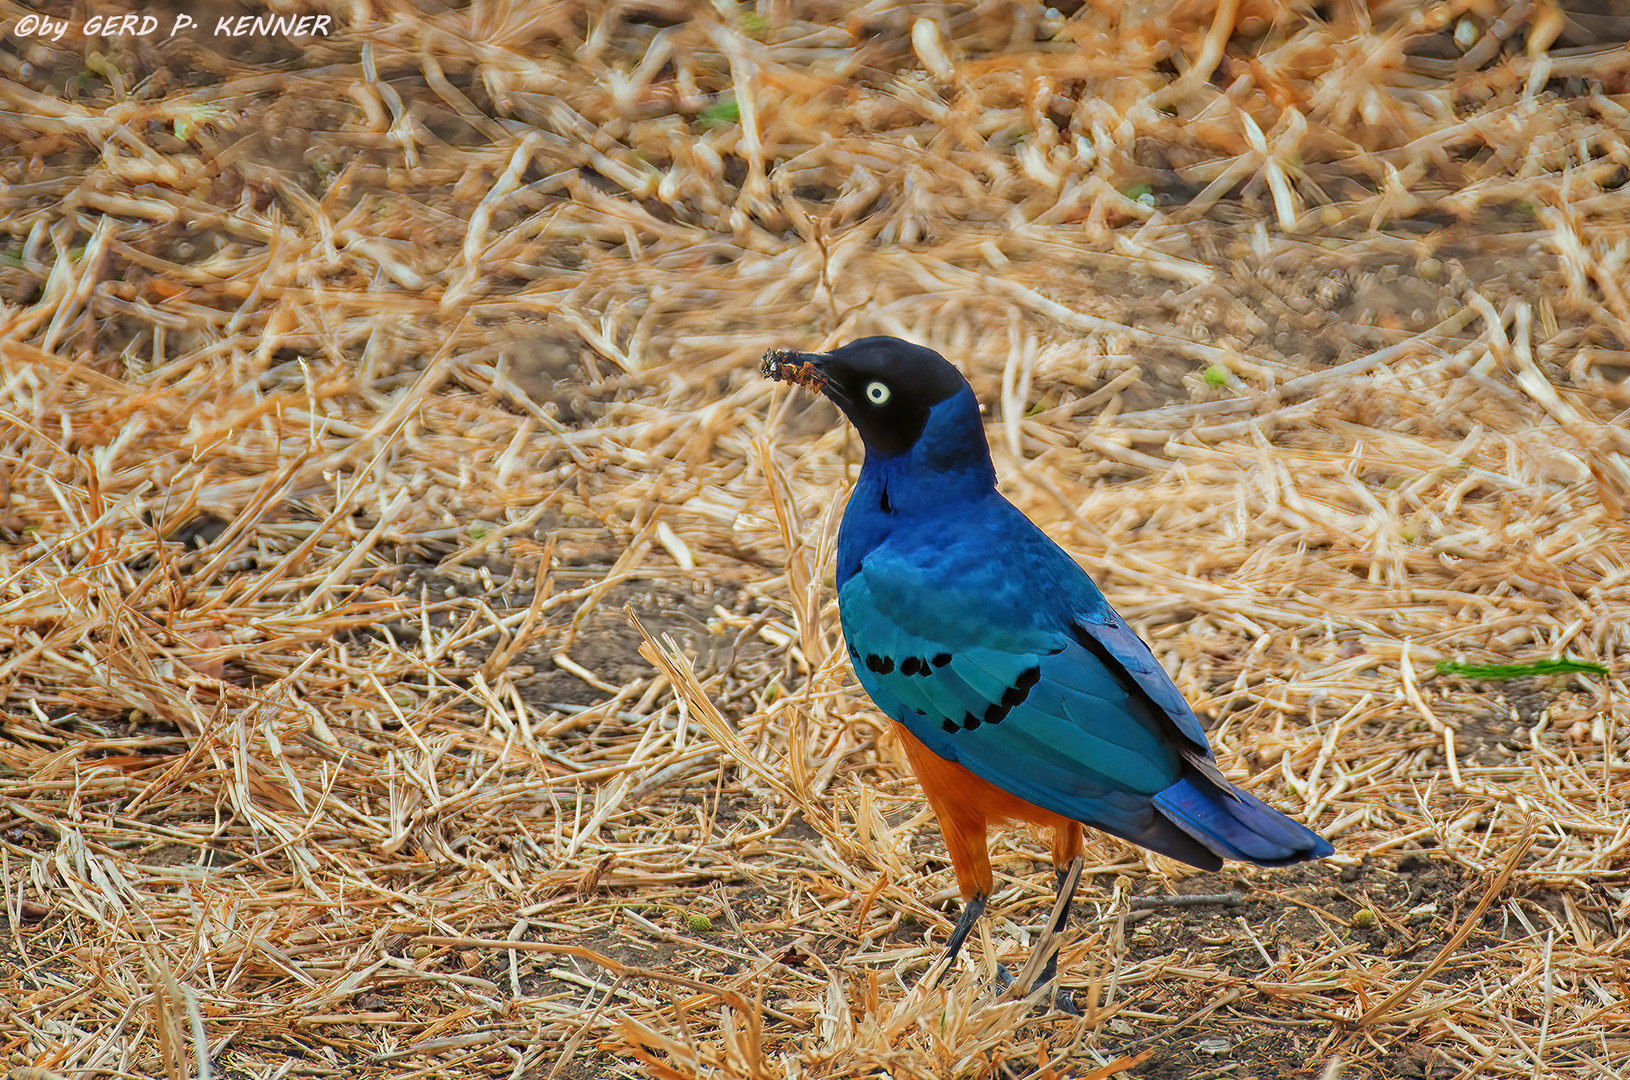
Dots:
pixel 1063 1000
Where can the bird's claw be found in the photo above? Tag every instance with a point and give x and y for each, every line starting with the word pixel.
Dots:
pixel 1063 1000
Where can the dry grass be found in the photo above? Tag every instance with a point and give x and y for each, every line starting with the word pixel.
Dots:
pixel 351 388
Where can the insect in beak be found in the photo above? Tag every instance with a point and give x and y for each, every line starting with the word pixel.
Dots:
pixel 799 369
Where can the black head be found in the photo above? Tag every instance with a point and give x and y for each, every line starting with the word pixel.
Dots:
pixel 885 386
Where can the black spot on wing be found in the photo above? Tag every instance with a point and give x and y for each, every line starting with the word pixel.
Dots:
pixel 911 665
pixel 942 659
pixel 1012 698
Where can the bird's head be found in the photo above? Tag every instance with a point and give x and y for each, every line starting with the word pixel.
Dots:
pixel 898 395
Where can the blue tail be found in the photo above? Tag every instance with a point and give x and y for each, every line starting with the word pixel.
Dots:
pixel 1237 825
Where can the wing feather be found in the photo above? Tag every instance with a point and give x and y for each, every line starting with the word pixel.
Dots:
pixel 998 653
pixel 1048 723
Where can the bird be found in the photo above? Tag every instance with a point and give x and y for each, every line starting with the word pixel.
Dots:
pixel 1019 695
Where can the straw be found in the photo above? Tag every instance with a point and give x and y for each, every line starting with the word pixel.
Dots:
pixel 351 388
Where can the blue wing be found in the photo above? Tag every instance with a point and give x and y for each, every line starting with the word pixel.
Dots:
pixel 998 653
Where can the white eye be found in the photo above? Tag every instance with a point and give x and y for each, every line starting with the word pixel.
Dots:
pixel 877 393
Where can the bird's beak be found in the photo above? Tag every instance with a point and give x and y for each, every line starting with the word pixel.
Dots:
pixel 800 369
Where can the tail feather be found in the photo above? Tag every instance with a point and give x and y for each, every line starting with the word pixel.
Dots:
pixel 1238 825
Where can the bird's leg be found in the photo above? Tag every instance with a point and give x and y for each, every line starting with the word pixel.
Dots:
pixel 971 910
pixel 1061 914
pixel 1067 879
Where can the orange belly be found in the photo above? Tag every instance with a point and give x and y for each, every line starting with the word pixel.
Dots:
pixel 966 806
